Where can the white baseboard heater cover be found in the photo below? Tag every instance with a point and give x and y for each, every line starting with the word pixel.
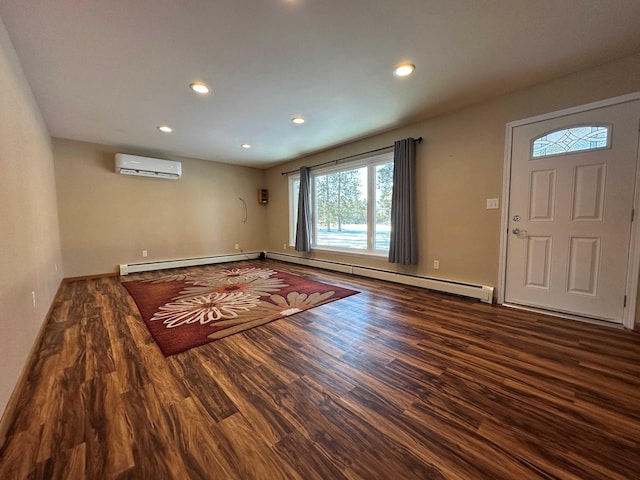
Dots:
pixel 126 268
pixel 481 292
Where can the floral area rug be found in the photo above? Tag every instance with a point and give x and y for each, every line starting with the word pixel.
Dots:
pixel 191 309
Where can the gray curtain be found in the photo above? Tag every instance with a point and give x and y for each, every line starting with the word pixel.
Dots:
pixel 403 248
pixel 303 227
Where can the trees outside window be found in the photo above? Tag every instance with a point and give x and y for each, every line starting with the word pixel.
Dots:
pixel 351 205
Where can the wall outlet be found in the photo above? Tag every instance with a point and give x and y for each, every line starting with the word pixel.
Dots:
pixel 493 203
pixel 144 253
pixel 436 264
pixel 284 246
pixel 237 246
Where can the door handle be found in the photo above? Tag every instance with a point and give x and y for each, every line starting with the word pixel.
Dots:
pixel 516 231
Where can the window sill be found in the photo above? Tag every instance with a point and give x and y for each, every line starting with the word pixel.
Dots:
pixel 355 253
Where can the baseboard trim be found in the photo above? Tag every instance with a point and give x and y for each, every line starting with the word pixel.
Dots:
pixel 9 414
pixel 89 277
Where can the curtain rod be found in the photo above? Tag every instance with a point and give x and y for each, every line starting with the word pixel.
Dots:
pixel 419 140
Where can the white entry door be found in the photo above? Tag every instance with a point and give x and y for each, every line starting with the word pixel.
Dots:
pixel 570 212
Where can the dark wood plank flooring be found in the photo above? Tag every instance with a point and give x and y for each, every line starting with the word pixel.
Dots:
pixel 392 383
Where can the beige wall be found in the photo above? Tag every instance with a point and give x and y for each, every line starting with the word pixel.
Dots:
pixel 29 239
pixel 107 219
pixel 459 166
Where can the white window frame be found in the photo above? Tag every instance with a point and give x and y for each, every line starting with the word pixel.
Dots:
pixel 371 163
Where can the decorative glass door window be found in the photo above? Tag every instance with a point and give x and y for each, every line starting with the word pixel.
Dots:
pixel 570 140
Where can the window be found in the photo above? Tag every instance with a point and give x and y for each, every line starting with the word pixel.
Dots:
pixel 351 205
pixel 569 140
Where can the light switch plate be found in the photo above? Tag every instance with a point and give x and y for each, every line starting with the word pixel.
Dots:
pixel 493 203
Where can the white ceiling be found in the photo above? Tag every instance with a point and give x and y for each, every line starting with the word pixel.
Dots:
pixel 111 71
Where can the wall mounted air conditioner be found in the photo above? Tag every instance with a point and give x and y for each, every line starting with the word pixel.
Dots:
pixel 147 167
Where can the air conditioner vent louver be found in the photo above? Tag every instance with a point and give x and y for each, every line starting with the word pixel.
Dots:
pixel 147 167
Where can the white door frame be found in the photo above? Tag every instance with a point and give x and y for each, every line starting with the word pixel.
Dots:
pixel 633 266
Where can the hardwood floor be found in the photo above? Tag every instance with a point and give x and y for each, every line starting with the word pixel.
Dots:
pixel 392 383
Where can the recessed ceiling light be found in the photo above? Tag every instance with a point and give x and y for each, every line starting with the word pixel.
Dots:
pixel 200 88
pixel 298 120
pixel 404 69
pixel 165 128
pixel 245 145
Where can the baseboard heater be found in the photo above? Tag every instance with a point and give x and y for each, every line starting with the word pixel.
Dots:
pixel 481 292
pixel 127 268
